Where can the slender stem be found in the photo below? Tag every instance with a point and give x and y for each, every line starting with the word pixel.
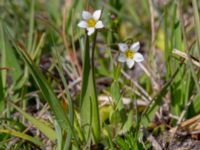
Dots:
pixel 92 57
pixel 95 108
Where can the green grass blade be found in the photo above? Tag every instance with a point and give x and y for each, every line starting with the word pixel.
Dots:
pixel 108 135
pixel 177 89
pixel 69 98
pixel 197 23
pixel 89 95
pixel 14 123
pixel 45 129
pixel 53 11
pixel 31 26
pixel 47 92
pixel 85 99
pixel 23 136
pixel 93 95
pixel 151 110
pixel 1 95
pixel 3 55
pixel 11 60
pixel 95 109
pixel 58 136
pixel 3 73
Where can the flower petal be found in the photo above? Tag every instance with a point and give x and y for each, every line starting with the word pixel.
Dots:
pixel 138 57
pixel 82 24
pixel 99 25
pixel 86 15
pixel 121 58
pixel 135 46
pixel 123 47
pixel 97 14
pixel 130 63
pixel 90 31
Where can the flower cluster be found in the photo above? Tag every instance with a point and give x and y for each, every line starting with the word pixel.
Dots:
pixel 129 54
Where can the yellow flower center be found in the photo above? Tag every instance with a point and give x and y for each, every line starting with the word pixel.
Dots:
pixel 91 22
pixel 129 54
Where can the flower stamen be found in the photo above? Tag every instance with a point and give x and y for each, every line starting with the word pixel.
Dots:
pixel 129 54
pixel 91 22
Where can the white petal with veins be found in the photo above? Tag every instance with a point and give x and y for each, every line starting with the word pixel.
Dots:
pixel 97 14
pixel 130 63
pixel 99 25
pixel 90 31
pixel 82 24
pixel 135 46
pixel 138 57
pixel 86 15
pixel 121 58
pixel 123 47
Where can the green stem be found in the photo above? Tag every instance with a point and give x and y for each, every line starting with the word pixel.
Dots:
pixel 85 103
pixel 95 107
pixel 86 68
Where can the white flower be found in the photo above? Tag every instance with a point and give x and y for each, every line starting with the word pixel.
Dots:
pixel 130 54
pixel 91 21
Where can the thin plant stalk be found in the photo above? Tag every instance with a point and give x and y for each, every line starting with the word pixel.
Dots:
pixel 95 107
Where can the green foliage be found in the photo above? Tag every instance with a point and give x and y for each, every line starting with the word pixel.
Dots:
pixel 35 140
pixel 52 74
pixel 128 142
pixel 41 125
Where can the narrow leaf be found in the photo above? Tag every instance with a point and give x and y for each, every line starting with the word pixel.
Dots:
pixel 46 91
pixel 46 130
pixel 22 136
